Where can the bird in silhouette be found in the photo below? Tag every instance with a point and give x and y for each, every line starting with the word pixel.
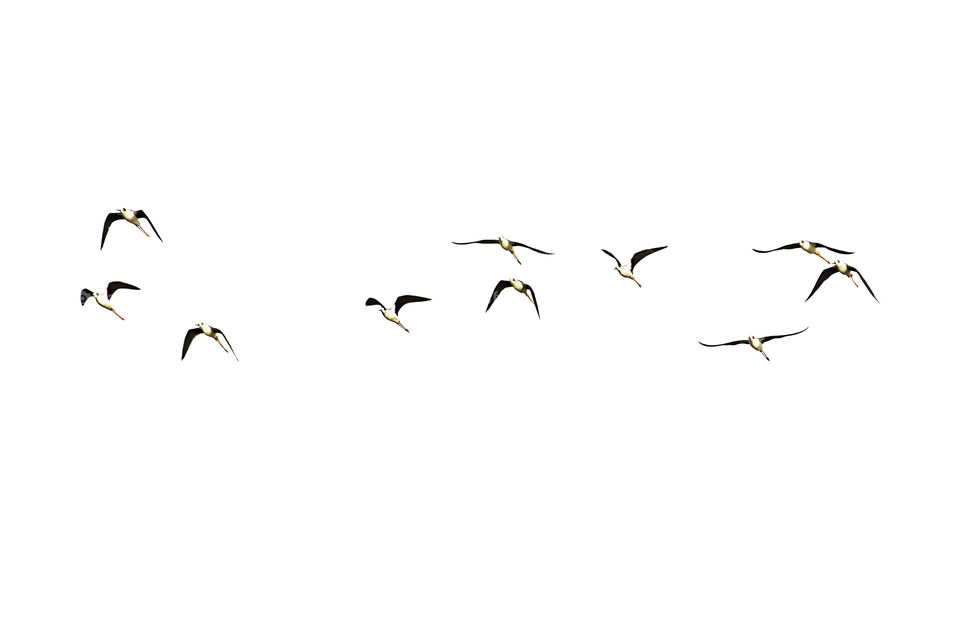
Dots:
pixel 391 313
pixel 755 342
pixel 507 245
pixel 637 257
pixel 103 299
pixel 131 216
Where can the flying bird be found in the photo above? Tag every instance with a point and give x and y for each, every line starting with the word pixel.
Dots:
pixel 391 313
pixel 522 287
pixel 637 257
pixel 755 342
pixel 131 216
pixel 211 332
pixel 845 269
pixel 809 247
pixel 103 299
pixel 507 245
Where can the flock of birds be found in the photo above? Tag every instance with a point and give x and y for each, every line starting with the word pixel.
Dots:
pixel 104 299
pixel 392 313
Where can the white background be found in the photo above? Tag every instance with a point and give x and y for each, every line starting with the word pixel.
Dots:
pixel 594 474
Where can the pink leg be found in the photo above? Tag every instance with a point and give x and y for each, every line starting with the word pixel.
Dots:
pixel 144 231
pixel 516 258
pixel 117 314
pixel 824 259
pixel 854 281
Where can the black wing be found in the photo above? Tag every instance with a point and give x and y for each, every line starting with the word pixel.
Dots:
pixel 113 286
pixel 526 246
pixel 724 344
pixel 818 245
pixel 480 242
pixel 826 273
pixel 141 214
pixel 640 255
pixel 503 284
pixel 111 218
pixel 402 300
pixel 612 256
pixel 373 302
pixel 216 331
pixel 795 245
pixel 187 339
pixel 533 296
pixel 864 280
pixel 765 338
pixel 84 294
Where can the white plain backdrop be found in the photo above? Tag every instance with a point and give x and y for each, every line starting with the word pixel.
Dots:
pixel 593 474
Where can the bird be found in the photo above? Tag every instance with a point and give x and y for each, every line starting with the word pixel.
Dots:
pixel 845 269
pixel 755 342
pixel 637 257
pixel 809 247
pixel 131 216
pixel 103 299
pixel 507 245
pixel 391 313
pixel 209 331
pixel 520 286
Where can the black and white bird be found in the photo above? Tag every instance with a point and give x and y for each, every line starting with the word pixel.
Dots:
pixel 391 313
pixel 520 286
pixel 131 216
pixel 637 257
pixel 755 342
pixel 103 299
pixel 507 245
pixel 845 269
pixel 211 332
pixel 809 247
